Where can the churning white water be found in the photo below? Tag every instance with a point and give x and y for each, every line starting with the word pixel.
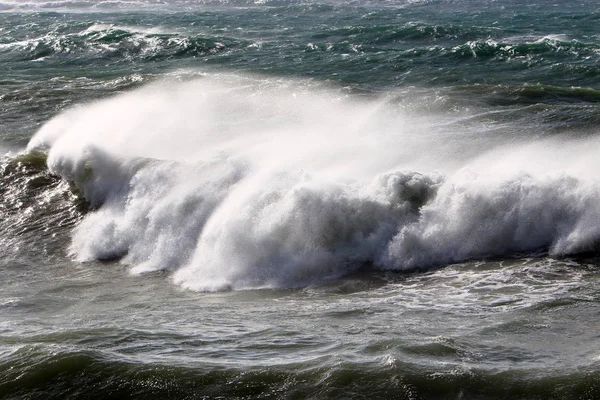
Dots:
pixel 243 183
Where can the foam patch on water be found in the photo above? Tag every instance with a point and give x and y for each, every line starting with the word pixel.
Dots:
pixel 236 183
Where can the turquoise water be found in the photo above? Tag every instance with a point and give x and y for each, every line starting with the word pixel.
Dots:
pixel 282 199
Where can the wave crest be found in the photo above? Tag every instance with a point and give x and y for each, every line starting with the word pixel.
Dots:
pixel 239 183
pixel 108 41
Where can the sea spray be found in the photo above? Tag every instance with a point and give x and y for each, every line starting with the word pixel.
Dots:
pixel 237 183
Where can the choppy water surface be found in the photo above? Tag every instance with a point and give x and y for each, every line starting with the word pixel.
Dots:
pixel 302 200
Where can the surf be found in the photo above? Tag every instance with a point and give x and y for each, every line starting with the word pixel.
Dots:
pixel 238 182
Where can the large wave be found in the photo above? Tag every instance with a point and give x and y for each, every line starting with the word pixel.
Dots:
pixel 244 183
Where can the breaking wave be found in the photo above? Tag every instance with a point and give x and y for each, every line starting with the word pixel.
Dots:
pixel 121 42
pixel 235 183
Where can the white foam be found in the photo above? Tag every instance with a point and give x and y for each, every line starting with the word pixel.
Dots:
pixel 134 29
pixel 240 183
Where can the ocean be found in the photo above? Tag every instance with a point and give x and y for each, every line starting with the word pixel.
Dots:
pixel 299 199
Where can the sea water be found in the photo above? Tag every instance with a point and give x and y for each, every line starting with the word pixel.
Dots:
pixel 286 199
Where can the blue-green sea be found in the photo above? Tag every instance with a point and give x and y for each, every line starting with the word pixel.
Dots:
pixel 299 199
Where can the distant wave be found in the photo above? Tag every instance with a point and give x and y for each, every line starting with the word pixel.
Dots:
pixel 240 183
pixel 406 52
pixel 109 41
pixel 508 49
pixel 136 4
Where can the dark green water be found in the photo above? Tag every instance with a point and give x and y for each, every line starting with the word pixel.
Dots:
pixel 282 199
